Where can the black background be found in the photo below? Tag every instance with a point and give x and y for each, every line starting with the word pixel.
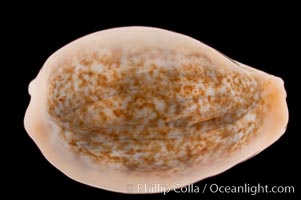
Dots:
pixel 264 37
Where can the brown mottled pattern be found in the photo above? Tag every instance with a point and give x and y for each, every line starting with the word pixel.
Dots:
pixel 153 110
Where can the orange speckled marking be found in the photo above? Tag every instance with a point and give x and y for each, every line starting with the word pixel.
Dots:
pixel 152 111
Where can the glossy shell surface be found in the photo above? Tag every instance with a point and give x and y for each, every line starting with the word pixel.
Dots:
pixel 140 105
